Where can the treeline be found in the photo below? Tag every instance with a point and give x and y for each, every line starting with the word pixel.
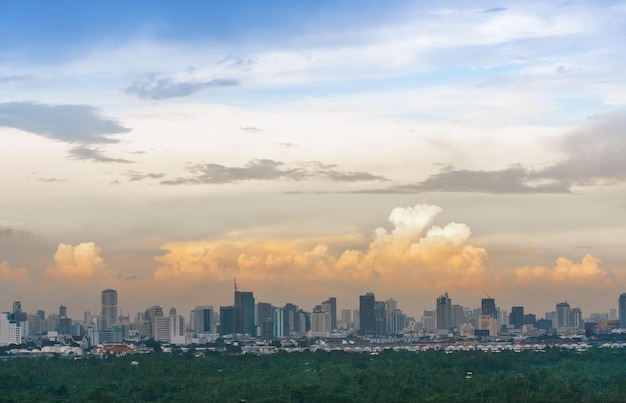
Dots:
pixel 433 376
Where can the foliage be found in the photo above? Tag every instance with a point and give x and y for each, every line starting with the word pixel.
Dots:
pixel 431 376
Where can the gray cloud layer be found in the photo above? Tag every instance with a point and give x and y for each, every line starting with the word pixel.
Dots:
pixel 266 169
pixel 134 176
pixel 69 123
pixel 164 88
pixel 596 154
pixel 95 155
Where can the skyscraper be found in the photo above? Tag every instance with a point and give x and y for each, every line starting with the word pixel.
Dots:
pixel 109 308
pixel 227 320
pixel 562 314
pixel 517 317
pixel 367 317
pixel 622 311
pixel 488 307
pixel 201 320
pixel 333 312
pixel 62 312
pixel 444 312
pixel 244 313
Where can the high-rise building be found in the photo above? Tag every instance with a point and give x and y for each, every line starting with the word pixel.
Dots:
pixel 264 311
pixel 278 317
pixel 516 318
pixel 320 323
pixel 10 332
pixel 109 308
pixel 244 313
pixel 367 317
pixel 333 312
pixel 575 318
pixel 488 323
pixel 488 307
pixel 177 328
pixel 530 319
pixel 356 318
pixel 458 316
pixel 227 320
pixel 62 312
pixel 622 311
pixel 380 317
pixel 428 321
pixel 346 319
pixel 201 320
pixel 390 306
pixel 562 314
pixel 444 312
pixel 291 323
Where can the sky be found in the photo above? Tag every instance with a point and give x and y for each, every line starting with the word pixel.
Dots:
pixel 312 149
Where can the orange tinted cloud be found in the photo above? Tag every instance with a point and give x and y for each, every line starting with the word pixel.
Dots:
pixel 413 254
pixel 78 263
pixel 7 273
pixel 588 273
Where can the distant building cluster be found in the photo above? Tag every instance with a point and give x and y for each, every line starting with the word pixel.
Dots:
pixel 247 319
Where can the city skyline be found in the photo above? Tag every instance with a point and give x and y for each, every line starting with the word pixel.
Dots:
pixel 365 305
pixel 312 149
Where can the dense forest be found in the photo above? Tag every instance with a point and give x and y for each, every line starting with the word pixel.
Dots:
pixel 431 376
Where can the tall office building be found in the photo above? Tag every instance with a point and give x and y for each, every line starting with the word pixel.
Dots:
pixel 227 320
pixel 109 308
pixel 333 312
pixel 428 320
pixel 367 317
pixel 391 305
pixel 264 311
pixel 291 323
pixel 575 318
pixel 488 307
pixel 201 320
pixel 517 317
pixel 622 311
pixel 278 319
pixel 346 319
pixel 244 313
pixel 62 312
pixel 380 316
pixel 562 314
pixel 458 316
pixel 444 312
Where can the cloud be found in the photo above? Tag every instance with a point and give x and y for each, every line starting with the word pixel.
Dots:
pixel 68 123
pixel 495 10
pixel 137 176
pixel 237 62
pixel 8 79
pixel 9 274
pixel 414 254
pixel 594 156
pixel 95 155
pixel 78 263
pixel 595 152
pixel 266 169
pixel 589 273
pixel 164 88
pixel 252 129
pixel 51 180
pixel 24 248
pixel 515 179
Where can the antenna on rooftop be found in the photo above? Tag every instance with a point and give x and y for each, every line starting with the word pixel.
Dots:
pixel 235 283
pixel 488 296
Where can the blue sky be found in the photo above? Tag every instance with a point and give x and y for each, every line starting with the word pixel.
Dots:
pixel 348 143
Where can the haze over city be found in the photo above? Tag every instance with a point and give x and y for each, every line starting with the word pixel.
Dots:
pixel 312 149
